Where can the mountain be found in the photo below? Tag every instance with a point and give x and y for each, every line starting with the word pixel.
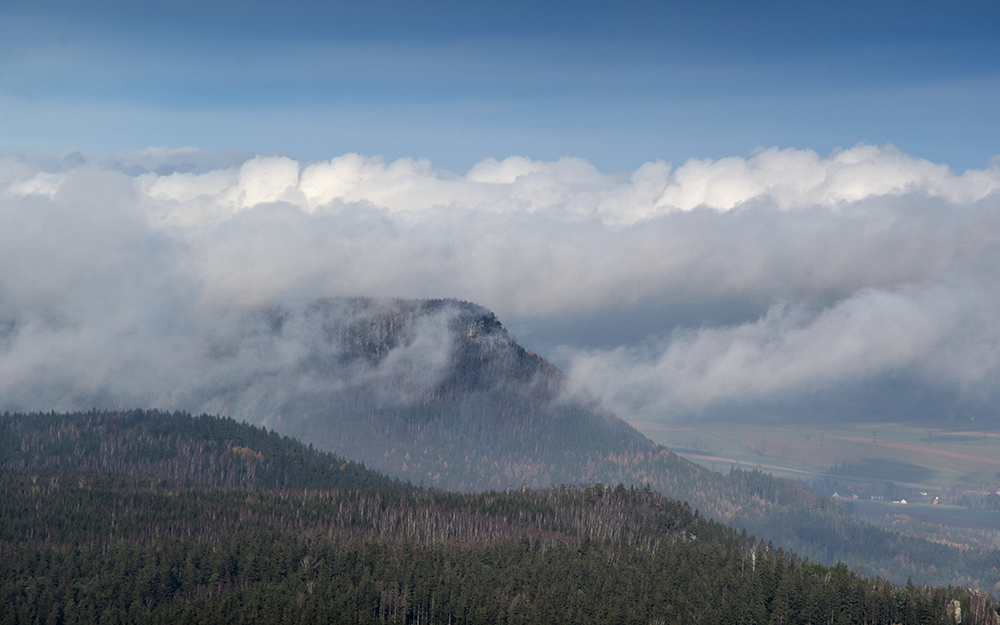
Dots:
pixel 146 517
pixel 438 392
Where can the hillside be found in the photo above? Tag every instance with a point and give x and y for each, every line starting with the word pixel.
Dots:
pixel 433 391
pixel 187 450
pixel 436 392
pixel 221 452
pixel 84 547
pixel 439 393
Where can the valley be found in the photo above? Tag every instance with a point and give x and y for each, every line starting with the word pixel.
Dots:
pixel 949 478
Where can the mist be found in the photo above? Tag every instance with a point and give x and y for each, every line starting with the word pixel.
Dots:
pixel 859 284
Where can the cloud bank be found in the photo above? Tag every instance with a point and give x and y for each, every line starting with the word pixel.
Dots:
pixel 761 285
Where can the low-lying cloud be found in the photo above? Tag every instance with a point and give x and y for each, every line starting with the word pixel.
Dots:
pixel 765 281
pixel 931 333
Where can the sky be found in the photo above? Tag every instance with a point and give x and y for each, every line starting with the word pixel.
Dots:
pixel 697 210
pixel 616 83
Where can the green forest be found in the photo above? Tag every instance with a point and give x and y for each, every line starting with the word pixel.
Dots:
pixel 220 451
pixel 147 518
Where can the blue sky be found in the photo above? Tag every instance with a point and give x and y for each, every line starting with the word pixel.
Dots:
pixel 616 83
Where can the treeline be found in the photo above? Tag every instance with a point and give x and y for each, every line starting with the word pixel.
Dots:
pixel 85 547
pixel 216 451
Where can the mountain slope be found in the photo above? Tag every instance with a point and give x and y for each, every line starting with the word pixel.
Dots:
pixel 84 549
pixel 437 392
pixel 183 449
pixel 434 391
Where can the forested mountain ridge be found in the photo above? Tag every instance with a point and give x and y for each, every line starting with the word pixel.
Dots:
pixel 205 450
pixel 83 547
pixel 433 391
pixel 438 392
pixel 215 451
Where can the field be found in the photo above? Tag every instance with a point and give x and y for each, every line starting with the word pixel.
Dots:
pixel 949 478
pixel 936 457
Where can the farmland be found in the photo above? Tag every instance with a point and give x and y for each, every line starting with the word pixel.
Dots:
pixel 949 478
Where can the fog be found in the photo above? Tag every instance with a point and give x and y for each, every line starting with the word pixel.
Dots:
pixel 856 284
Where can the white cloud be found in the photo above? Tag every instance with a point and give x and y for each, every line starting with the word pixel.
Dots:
pixel 794 178
pixel 872 334
pixel 41 183
pixel 793 271
pixel 788 179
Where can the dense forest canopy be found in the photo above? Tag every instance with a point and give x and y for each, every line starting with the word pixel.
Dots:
pixel 84 547
pixel 435 393
pixel 145 517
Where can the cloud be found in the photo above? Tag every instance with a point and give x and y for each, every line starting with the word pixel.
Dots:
pixel 664 291
pixel 934 334
pixel 787 179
